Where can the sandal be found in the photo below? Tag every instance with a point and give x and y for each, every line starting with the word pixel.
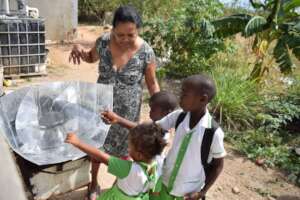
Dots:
pixel 93 194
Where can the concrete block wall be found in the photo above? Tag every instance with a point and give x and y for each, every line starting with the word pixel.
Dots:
pixel 61 17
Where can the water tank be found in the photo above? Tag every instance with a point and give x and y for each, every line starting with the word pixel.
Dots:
pixel 1 81
pixel 22 46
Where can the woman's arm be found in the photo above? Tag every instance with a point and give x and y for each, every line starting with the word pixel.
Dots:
pixel 150 78
pixel 91 151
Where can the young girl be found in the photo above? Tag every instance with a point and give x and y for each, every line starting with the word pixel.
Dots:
pixel 134 178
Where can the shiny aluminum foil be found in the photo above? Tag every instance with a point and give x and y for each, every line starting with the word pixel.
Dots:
pixel 35 120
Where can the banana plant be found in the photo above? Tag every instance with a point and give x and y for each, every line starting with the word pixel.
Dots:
pixel 279 24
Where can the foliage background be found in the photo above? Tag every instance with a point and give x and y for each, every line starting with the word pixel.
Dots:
pixel 262 120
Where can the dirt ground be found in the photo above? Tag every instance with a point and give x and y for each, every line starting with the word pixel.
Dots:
pixel 250 181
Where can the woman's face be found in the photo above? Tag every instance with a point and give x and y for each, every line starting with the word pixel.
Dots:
pixel 125 34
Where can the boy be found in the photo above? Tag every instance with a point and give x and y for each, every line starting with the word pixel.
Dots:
pixel 186 172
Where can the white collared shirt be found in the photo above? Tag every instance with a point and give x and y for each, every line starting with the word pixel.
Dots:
pixel 131 177
pixel 191 176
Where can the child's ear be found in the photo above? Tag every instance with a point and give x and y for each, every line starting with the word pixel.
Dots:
pixel 204 98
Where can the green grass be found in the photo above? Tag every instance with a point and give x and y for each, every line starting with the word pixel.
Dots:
pixel 255 116
pixel 238 98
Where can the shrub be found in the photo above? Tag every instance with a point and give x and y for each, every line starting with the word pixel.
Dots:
pixel 94 10
pixel 238 99
pixel 273 141
pixel 179 37
pixel 269 147
pixel 281 108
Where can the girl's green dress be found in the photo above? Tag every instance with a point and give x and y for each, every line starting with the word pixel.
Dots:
pixel 136 177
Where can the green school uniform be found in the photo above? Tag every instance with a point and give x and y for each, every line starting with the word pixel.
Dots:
pixel 164 192
pixel 133 180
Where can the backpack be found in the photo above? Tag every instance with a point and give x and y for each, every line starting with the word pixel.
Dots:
pixel 206 141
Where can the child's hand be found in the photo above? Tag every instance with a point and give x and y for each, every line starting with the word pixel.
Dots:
pixel 194 196
pixel 110 117
pixel 72 139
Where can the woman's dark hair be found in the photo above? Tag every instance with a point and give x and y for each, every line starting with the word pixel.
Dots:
pixel 127 14
pixel 147 138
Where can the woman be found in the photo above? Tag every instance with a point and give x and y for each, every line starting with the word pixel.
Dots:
pixel 125 59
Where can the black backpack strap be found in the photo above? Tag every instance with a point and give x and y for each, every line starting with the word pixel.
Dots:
pixel 206 144
pixel 180 118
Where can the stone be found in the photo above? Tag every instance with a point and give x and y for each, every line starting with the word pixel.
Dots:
pixel 235 190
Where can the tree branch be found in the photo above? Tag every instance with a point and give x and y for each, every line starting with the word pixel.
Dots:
pixel 99 14
pixel 274 13
pixel 257 5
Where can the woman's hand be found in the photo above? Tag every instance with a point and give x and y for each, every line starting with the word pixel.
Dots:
pixel 72 139
pixel 75 54
pixel 110 117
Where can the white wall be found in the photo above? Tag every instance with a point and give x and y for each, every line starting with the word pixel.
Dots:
pixel 10 181
pixel 61 16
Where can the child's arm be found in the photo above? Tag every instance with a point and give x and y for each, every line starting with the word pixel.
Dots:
pixel 112 118
pixel 215 171
pixel 91 151
pixel 217 165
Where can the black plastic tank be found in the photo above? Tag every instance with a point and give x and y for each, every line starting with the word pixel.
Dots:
pixel 22 46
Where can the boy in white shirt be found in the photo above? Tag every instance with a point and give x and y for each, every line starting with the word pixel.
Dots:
pixel 196 157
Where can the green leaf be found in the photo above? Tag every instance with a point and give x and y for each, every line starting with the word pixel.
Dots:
pixel 289 27
pixel 281 51
pixel 256 4
pixel 282 56
pixel 256 24
pixel 296 27
pixel 293 43
pixel 231 25
pixel 296 52
pixel 291 5
pixel 207 28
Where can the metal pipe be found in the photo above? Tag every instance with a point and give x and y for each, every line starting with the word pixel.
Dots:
pixel 4 6
pixel 22 6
